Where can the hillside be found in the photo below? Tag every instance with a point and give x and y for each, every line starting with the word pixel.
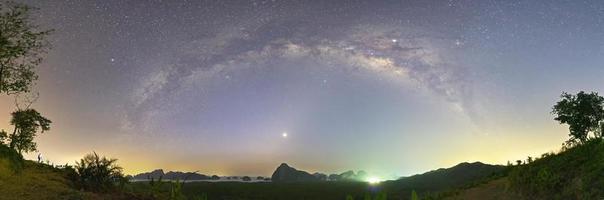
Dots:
pixel 24 179
pixel 444 178
pixel 575 173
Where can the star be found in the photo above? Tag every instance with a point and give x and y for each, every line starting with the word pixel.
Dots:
pixel 458 42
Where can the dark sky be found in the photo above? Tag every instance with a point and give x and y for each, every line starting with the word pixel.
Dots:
pixel 391 87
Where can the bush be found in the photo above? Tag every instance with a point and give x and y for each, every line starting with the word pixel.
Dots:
pixel 574 173
pixel 98 174
pixel 14 158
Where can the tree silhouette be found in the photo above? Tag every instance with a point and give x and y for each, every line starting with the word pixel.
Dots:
pixel 22 47
pixel 583 113
pixel 26 124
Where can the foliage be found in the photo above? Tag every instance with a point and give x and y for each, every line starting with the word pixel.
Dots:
pixel 97 173
pixel 176 190
pixel 575 173
pixel 156 186
pixel 26 124
pixel 13 158
pixel 583 113
pixel 3 137
pixel 22 47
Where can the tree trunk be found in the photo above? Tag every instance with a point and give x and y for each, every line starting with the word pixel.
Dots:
pixel 1 79
pixel 12 143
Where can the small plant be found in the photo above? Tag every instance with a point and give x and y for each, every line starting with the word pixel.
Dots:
pixel 156 186
pixel 414 195
pixel 176 190
pixel 98 173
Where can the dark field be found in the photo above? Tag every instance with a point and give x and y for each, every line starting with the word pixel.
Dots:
pixel 307 190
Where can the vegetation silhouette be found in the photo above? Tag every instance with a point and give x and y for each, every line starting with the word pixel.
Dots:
pixel 97 173
pixel 583 113
pixel 22 48
pixel 26 124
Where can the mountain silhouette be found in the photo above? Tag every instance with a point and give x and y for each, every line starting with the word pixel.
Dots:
pixel 443 178
pixel 171 175
pixel 285 173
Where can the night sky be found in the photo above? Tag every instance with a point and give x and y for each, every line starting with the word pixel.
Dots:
pixel 390 87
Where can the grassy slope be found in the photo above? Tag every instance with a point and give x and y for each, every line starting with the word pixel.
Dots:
pixel 35 181
pixel 577 173
pixel 39 181
pixel 495 189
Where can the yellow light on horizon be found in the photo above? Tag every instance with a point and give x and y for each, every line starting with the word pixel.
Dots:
pixel 373 180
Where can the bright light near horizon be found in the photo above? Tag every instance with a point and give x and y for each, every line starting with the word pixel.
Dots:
pixel 373 180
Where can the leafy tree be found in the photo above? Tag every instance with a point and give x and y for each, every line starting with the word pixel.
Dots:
pixel 583 113
pixel 26 124
pixel 22 47
pixel 98 173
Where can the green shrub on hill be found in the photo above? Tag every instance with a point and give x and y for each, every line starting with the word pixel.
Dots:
pixel 575 173
pixel 12 157
pixel 98 174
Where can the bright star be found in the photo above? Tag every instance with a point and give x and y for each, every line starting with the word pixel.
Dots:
pixel 284 135
pixel 458 42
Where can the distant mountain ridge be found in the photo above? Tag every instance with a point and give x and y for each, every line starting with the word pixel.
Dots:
pixel 285 173
pixel 171 175
pixel 444 178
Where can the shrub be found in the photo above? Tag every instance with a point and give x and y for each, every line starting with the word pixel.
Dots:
pixel 14 158
pixel 98 174
pixel 176 190
pixel 574 173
